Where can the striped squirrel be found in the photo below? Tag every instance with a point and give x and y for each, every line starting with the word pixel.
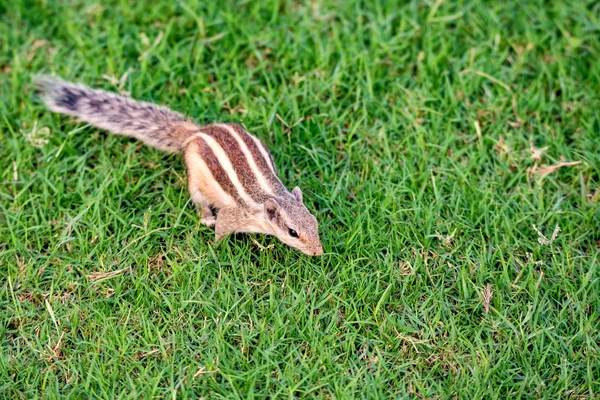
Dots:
pixel 228 168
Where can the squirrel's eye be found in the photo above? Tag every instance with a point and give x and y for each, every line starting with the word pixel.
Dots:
pixel 293 233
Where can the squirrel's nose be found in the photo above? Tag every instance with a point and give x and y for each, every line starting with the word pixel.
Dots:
pixel 318 251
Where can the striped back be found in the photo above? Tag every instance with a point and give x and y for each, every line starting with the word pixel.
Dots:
pixel 240 163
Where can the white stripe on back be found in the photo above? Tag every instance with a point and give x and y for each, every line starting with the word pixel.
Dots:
pixel 228 168
pixel 250 158
pixel 213 192
pixel 264 154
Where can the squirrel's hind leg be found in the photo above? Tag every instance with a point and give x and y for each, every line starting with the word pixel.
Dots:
pixel 203 207
pixel 199 184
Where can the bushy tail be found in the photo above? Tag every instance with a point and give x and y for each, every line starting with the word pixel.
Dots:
pixel 152 124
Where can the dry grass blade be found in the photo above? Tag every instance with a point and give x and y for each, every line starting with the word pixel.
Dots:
pixel 543 240
pixel 95 276
pixel 55 351
pixel 414 342
pixel 203 371
pixel 260 246
pixel 487 297
pixel 143 355
pixel 536 153
pixel 545 169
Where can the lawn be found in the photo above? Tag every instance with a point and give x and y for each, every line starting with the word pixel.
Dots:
pixel 451 153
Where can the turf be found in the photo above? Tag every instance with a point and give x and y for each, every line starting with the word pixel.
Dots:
pixel 433 140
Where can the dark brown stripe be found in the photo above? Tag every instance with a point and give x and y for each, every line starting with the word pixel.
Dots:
pixel 239 162
pixel 217 170
pixel 260 160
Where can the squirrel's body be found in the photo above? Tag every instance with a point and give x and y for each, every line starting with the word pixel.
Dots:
pixel 228 168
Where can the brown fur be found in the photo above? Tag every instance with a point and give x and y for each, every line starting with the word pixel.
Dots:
pixel 238 160
pixel 265 206
pixel 152 124
pixel 217 171
pixel 260 160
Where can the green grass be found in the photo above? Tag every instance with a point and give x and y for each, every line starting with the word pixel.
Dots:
pixel 410 128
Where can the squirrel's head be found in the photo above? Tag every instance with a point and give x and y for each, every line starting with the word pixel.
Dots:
pixel 293 224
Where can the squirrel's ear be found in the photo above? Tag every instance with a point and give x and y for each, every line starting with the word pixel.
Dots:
pixel 272 209
pixel 297 194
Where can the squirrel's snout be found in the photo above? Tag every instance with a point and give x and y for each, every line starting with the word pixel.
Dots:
pixel 312 251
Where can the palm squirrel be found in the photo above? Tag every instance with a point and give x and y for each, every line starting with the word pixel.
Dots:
pixel 228 168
